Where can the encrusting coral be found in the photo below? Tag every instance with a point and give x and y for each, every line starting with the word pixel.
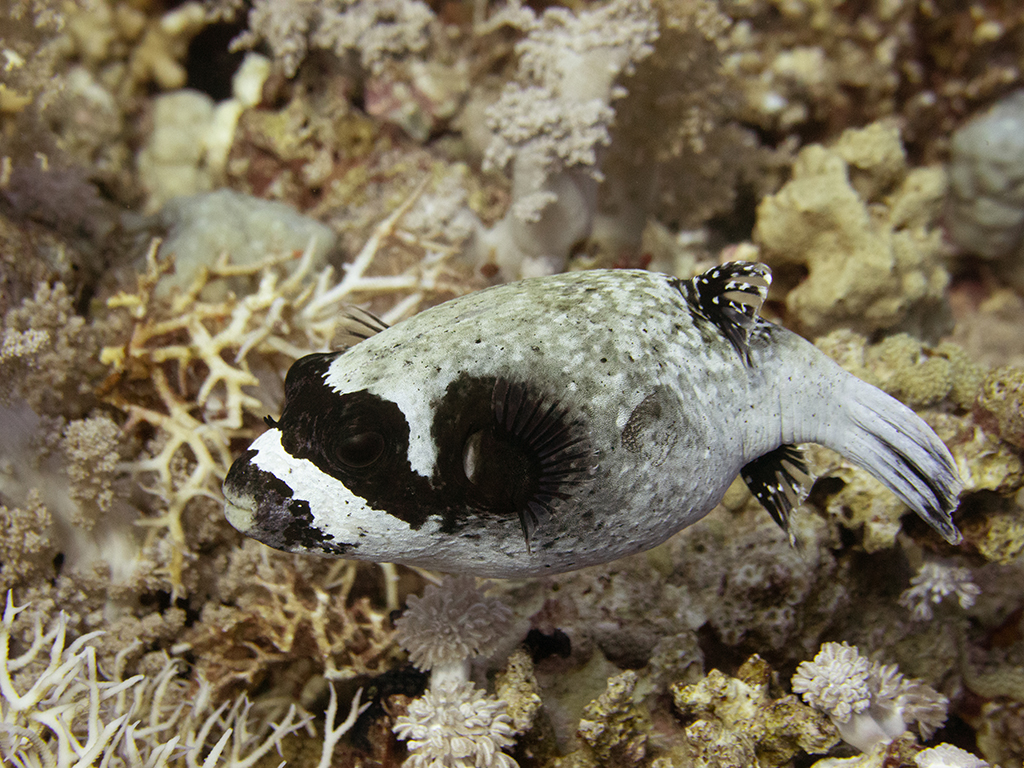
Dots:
pixel 860 223
pixel 734 722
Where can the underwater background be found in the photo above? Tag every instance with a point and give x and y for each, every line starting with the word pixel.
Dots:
pixel 192 194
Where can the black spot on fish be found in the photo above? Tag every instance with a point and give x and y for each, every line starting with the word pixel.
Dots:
pixel 505 449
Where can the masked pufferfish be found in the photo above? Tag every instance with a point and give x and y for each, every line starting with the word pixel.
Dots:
pixel 565 421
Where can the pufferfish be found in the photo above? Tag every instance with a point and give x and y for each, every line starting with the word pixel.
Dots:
pixel 565 421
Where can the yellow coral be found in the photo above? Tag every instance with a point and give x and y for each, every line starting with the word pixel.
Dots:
pixel 866 268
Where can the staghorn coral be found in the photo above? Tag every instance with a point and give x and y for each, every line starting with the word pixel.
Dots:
pixel 279 614
pixel 184 366
pixel 58 708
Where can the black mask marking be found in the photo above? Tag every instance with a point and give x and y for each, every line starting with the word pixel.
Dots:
pixel 503 449
pixel 507 450
pixel 281 521
pixel 357 438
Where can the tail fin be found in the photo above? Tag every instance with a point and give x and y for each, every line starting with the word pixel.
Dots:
pixel 894 444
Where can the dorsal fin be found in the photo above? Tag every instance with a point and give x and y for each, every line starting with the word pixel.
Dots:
pixel 362 323
pixel 730 296
pixel 780 481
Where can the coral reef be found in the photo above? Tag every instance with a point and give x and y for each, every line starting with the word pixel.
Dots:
pixel 868 702
pixel 394 154
pixel 454 723
pixel 65 711
pixel 735 722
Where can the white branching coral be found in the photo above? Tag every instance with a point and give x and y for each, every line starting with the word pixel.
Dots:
pixel 451 623
pixel 57 708
pixel 932 584
pixel 456 726
pixel 188 368
pixel 868 702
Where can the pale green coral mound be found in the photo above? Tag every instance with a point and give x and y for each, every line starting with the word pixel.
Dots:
pixel 860 223
pixel 913 372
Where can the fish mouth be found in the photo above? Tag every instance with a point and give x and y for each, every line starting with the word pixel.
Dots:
pixel 256 502
pixel 241 518
pixel 261 505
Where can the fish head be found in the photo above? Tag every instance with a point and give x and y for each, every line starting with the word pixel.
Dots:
pixel 392 452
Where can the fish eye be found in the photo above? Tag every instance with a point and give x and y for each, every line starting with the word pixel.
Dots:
pixel 361 449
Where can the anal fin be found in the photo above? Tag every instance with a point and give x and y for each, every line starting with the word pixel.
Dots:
pixel 780 481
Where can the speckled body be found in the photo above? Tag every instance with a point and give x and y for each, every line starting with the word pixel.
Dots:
pixel 667 410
